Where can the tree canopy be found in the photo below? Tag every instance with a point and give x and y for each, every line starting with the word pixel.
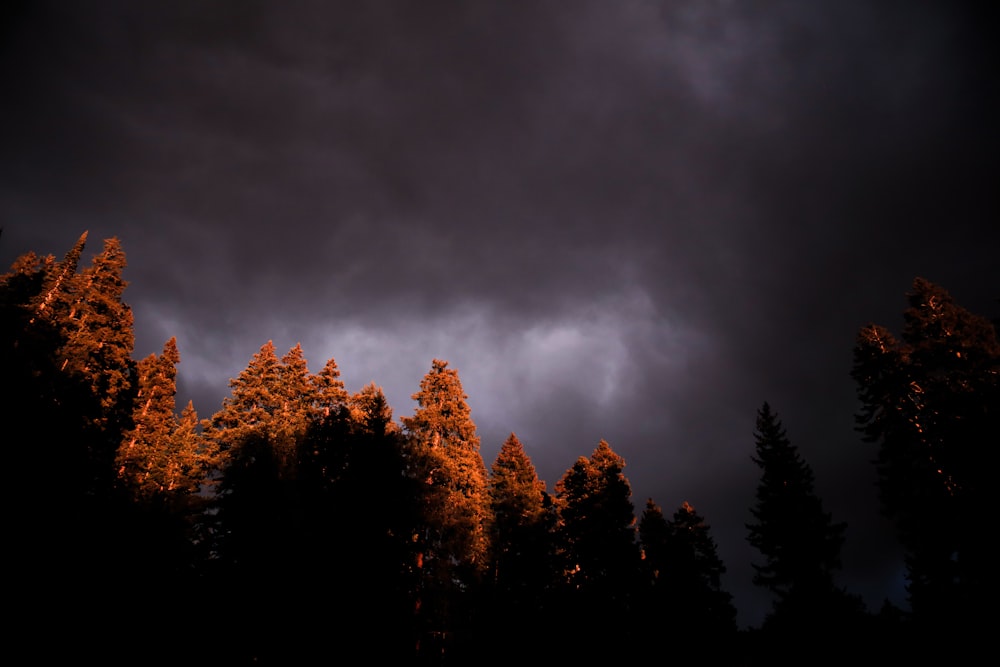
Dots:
pixel 306 520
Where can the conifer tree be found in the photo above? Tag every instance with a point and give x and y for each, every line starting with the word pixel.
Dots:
pixel 99 334
pixel 249 412
pixel 370 522
pixel 683 592
pixel 329 392
pixel 599 552
pixel 327 447
pixel 797 538
pixel 163 454
pixel 58 291
pixel 695 571
pixel 295 407
pixel 930 403
pixel 654 538
pixel 517 497
pixel 95 355
pixel 145 447
pixel 258 526
pixel 597 518
pixel 452 541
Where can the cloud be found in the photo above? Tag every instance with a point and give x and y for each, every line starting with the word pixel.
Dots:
pixel 633 221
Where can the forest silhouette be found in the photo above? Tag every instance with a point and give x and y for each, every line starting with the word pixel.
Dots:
pixel 303 524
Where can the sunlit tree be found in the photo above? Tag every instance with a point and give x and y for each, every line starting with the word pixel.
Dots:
pixel 452 540
pixel 163 454
pixel 522 567
pixel 519 540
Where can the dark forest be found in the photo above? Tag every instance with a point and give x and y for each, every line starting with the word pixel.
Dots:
pixel 303 524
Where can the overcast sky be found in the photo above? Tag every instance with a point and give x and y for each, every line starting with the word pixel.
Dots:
pixel 627 220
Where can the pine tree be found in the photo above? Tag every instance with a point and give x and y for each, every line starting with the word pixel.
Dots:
pixel 522 567
pixel 797 538
pixel 146 446
pixel 599 552
pixel 258 532
pixel 654 538
pixel 517 497
pixel 695 571
pixel 930 403
pixel 95 357
pixel 100 336
pixel 163 455
pixel 329 392
pixel 249 412
pixel 354 518
pixel 58 291
pixel 683 593
pixel 295 407
pixel 453 540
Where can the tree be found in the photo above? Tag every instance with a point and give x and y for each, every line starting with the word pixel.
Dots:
pixel 329 392
pixel 521 569
pixel 930 403
pixel 599 552
pixel 358 519
pixel 34 302
pixel 163 455
pixel 95 356
pixel 517 498
pixel 684 574
pixel 797 538
pixel 453 540
pixel 255 398
pixel 141 457
pixel 258 525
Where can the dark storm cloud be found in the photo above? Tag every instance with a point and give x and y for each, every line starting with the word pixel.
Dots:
pixel 633 221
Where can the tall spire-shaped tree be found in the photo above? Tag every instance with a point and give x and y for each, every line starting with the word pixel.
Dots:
pixel 800 544
pixel 97 353
pixel 517 497
pixel 57 290
pixel 259 527
pixel 295 408
pixel 328 390
pixel 249 411
pixel 443 454
pixel 797 538
pixel 139 458
pixel 163 454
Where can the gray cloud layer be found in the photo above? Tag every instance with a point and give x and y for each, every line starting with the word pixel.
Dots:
pixel 633 221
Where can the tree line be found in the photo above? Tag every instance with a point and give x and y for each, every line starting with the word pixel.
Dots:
pixel 302 523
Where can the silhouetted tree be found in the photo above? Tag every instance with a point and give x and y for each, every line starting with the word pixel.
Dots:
pixel 358 522
pixel 799 542
pixel 684 578
pixel 599 553
pixel 67 347
pixel 931 402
